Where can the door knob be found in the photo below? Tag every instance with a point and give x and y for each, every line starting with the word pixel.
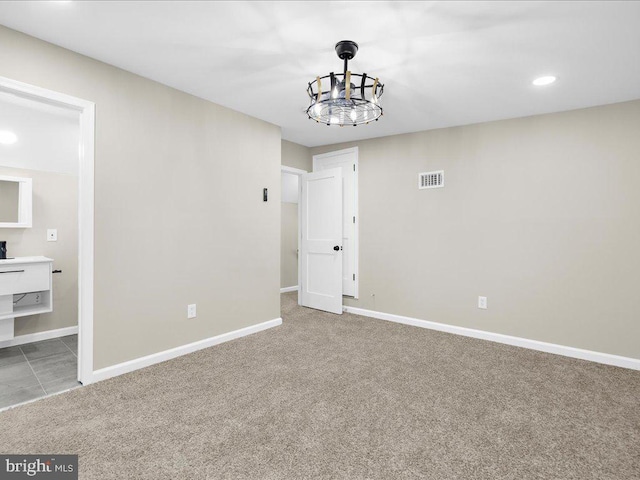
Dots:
pixel 336 248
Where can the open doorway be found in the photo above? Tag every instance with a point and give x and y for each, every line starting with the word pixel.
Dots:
pixel 46 277
pixel 289 248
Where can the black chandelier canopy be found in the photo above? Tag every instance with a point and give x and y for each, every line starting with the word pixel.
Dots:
pixel 345 98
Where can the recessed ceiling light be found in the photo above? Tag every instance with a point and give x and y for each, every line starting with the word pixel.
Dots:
pixel 7 137
pixel 546 80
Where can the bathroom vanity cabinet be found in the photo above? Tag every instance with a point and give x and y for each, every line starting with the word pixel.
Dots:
pixel 26 288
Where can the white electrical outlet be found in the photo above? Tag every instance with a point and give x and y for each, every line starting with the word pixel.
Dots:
pixel 482 302
pixel 191 311
pixel 52 235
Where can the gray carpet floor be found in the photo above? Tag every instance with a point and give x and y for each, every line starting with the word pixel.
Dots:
pixel 345 397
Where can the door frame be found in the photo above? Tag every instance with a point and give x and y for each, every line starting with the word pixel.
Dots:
pixel 356 233
pixel 298 172
pixel 86 110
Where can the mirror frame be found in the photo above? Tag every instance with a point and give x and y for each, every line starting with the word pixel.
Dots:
pixel 25 215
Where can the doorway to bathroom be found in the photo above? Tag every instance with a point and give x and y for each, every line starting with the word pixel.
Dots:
pixel 46 279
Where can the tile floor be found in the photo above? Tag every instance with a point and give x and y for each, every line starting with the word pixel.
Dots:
pixel 38 369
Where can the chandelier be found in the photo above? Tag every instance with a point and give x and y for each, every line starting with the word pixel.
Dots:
pixel 345 98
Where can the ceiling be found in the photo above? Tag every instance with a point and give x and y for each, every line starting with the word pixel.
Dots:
pixel 442 63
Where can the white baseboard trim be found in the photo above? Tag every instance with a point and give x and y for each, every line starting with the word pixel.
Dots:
pixel 606 358
pixel 37 337
pixel 138 363
pixel 289 289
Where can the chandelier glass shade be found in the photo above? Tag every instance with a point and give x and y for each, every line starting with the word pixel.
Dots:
pixel 345 98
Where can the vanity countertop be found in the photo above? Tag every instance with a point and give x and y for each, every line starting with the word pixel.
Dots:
pixel 20 260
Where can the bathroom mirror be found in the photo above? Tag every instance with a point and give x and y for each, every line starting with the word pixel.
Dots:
pixel 15 202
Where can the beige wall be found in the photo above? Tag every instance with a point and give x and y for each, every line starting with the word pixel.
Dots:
pixel 539 214
pixel 296 156
pixel 9 201
pixel 179 216
pixel 55 205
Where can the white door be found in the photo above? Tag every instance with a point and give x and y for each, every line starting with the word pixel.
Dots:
pixel 347 161
pixel 320 262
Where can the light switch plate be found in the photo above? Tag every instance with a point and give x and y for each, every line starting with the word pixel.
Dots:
pixel 52 235
pixel 482 303
pixel 191 311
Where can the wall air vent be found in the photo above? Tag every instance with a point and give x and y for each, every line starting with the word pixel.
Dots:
pixel 431 179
